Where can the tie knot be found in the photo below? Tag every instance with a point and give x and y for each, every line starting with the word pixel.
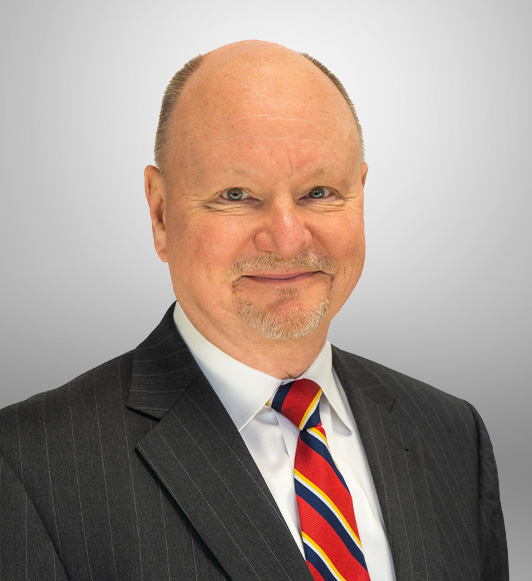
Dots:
pixel 299 402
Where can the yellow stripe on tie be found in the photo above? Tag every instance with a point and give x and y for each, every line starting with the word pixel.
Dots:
pixel 322 437
pixel 324 557
pixel 320 492
pixel 310 409
pixel 319 435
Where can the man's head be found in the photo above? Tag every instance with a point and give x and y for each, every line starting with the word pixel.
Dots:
pixel 258 207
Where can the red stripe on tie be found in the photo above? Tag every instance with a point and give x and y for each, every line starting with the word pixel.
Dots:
pixel 325 536
pixel 315 573
pixel 319 472
pixel 297 401
pixel 314 467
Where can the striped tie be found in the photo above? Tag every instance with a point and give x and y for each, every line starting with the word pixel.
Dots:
pixel 328 526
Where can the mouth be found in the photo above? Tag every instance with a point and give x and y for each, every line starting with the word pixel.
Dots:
pixel 282 277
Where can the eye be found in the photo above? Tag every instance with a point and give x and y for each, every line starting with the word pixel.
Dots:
pixel 234 194
pixel 319 192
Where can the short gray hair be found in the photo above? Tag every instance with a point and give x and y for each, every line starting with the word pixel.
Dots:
pixel 337 83
pixel 175 88
pixel 171 96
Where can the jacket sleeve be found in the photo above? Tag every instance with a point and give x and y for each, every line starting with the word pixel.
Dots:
pixel 26 550
pixel 494 552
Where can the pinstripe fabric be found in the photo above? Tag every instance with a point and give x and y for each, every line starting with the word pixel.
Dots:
pixel 115 476
pixel 434 472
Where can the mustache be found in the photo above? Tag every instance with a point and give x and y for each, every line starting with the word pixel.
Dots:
pixel 304 260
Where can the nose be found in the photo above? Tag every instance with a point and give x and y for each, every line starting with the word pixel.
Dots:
pixel 284 229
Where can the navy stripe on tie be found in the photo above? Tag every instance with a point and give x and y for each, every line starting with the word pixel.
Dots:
pixel 313 420
pixel 319 447
pixel 280 396
pixel 312 557
pixel 323 510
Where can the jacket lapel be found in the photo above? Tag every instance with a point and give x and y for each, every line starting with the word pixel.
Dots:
pixel 198 454
pixel 396 462
pixel 201 459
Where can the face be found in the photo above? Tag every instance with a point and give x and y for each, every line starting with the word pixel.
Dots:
pixel 263 213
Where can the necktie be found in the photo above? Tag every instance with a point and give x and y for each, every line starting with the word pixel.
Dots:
pixel 328 527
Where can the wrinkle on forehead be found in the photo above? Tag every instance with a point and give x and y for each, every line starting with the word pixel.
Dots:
pixel 257 78
pixel 262 96
pixel 286 128
pixel 259 116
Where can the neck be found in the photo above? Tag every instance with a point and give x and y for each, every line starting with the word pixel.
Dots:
pixel 280 358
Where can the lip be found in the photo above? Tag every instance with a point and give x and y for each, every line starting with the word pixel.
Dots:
pixel 281 277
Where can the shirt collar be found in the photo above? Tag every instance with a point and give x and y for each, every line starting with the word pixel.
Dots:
pixel 244 390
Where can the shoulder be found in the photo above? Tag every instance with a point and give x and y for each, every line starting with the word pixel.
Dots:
pixel 107 374
pixel 411 398
pixel 26 426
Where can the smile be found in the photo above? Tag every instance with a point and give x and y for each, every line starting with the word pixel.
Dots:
pixel 282 278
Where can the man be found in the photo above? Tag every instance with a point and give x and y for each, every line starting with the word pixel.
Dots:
pixel 177 459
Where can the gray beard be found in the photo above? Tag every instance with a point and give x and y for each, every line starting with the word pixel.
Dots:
pixel 267 320
pixel 298 323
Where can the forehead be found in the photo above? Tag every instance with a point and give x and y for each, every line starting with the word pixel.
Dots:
pixel 275 83
pixel 267 129
pixel 273 107
pixel 261 151
pixel 250 74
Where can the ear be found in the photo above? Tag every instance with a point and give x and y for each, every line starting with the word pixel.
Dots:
pixel 364 173
pixel 155 189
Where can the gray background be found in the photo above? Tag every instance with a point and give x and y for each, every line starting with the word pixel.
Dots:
pixel 443 91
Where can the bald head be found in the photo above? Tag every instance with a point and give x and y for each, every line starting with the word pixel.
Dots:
pixel 253 78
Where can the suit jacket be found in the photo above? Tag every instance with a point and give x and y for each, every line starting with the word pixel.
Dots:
pixel 134 470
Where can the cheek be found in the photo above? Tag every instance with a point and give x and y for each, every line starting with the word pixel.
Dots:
pixel 205 245
pixel 345 242
pixel 347 247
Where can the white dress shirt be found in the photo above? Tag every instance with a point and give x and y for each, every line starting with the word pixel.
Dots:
pixel 271 438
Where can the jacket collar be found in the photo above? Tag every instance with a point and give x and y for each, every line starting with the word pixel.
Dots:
pixel 395 457
pixel 197 453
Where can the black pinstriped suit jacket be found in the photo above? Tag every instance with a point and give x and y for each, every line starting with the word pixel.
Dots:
pixel 135 471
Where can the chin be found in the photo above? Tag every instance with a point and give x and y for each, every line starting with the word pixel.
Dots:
pixel 276 321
